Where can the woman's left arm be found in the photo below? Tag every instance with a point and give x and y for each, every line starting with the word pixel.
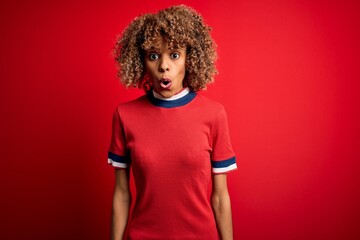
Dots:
pixel 220 201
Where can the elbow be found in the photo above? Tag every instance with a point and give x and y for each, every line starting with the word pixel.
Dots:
pixel 220 202
pixel 215 202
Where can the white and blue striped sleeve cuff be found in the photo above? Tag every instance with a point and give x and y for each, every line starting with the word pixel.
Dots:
pixel 118 161
pixel 224 166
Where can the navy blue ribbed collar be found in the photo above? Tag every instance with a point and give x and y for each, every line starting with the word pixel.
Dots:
pixel 171 104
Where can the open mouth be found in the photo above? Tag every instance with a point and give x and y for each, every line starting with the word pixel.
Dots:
pixel 165 83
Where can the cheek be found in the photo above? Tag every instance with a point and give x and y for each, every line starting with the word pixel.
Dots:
pixel 183 67
pixel 146 65
pixel 149 68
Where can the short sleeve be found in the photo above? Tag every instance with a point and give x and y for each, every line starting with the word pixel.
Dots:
pixel 117 154
pixel 223 159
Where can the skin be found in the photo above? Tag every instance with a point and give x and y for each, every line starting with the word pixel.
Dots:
pixel 121 203
pixel 164 62
pixel 220 201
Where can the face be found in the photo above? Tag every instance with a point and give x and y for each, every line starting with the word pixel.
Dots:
pixel 165 68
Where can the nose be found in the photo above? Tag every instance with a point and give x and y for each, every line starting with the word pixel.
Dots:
pixel 164 65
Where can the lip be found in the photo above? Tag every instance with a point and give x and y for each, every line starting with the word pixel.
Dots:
pixel 165 83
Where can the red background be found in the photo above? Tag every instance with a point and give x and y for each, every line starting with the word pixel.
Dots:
pixel 288 76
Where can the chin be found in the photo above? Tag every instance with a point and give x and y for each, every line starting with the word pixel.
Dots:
pixel 167 94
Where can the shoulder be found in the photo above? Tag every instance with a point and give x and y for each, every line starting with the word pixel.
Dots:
pixel 209 104
pixel 133 104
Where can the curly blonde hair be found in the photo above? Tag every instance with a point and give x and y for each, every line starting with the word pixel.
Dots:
pixel 180 26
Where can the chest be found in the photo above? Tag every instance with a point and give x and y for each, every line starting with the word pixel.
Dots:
pixel 172 139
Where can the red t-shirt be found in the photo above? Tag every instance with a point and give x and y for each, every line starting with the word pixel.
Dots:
pixel 172 147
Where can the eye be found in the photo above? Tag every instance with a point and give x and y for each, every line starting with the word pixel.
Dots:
pixel 153 56
pixel 175 55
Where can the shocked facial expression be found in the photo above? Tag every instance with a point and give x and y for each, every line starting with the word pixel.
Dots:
pixel 165 67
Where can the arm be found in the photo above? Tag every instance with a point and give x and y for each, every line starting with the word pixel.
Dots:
pixel 121 204
pixel 221 206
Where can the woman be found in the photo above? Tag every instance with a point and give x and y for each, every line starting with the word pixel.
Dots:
pixel 175 140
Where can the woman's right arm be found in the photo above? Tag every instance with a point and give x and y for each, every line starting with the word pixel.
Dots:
pixel 121 203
